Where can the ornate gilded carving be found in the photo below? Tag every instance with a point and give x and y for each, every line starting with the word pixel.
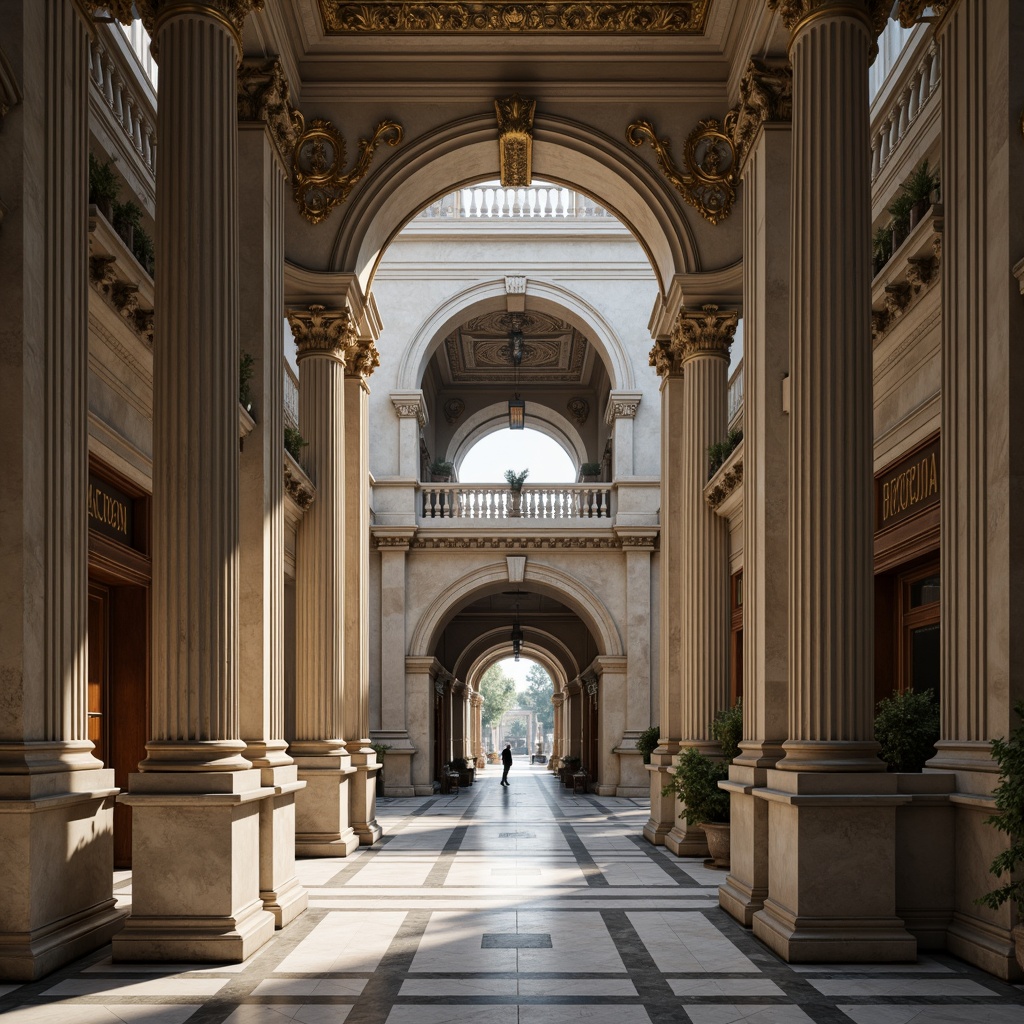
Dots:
pixel 708 331
pixel 708 182
pixel 666 359
pixel 793 12
pixel 363 359
pixel 318 161
pixel 232 12
pixel 264 95
pixel 766 94
pixel 321 330
pixel 912 11
pixel 579 410
pixel 515 140
pixel 453 409
pixel 297 489
pixel 731 479
pixel 525 16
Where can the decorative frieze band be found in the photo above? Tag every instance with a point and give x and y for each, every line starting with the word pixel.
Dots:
pixel 622 405
pixel 410 405
pixel 425 542
pixel 264 95
pixel 707 331
pixel 731 479
pixel 322 331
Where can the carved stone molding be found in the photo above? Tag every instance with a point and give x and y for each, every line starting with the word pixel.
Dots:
pixel 795 12
pixel 622 405
pixel 107 276
pixel 531 16
pixel 362 359
pixel 919 274
pixel 515 284
pixel 319 330
pixel 666 359
pixel 766 95
pixel 392 541
pixel 425 542
pixel 297 489
pixel 318 178
pixel 410 405
pixel 264 95
pixel 515 140
pixel 637 541
pixel 731 479
pixel 912 11
pixel 578 409
pixel 453 409
pixel 708 180
pixel 708 331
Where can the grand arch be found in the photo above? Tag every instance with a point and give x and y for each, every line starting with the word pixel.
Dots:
pixel 540 646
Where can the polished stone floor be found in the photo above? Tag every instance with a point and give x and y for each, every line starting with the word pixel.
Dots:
pixel 524 905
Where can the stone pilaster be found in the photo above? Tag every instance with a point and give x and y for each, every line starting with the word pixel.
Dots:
pixel 668 365
pixel 196 799
pixel 262 179
pixel 831 812
pixel 55 794
pixel 424 680
pixel 766 228
pixel 982 440
pixel 702 338
pixel 478 730
pixel 558 745
pixel 619 415
pixel 411 409
pixel 324 339
pixel 363 786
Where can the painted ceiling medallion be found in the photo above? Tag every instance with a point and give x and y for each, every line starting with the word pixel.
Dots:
pixel 501 16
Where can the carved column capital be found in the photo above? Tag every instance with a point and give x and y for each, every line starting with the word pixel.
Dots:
pixel 665 359
pixel 322 331
pixel 766 95
pixel 515 139
pixel 912 11
pixel 410 405
pixel 796 13
pixel 707 331
pixel 622 405
pixel 363 359
pixel 264 95
pixel 231 12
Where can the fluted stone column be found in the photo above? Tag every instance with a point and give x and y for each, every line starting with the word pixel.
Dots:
pixel 982 438
pixel 668 365
pixel 766 229
pixel 831 806
pixel 558 742
pixel 638 546
pixel 55 795
pixel 702 337
pixel 478 730
pixel 363 785
pixel 196 799
pixel 324 339
pixel 263 174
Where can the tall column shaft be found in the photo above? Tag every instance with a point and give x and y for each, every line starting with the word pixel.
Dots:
pixel 195 783
pixel 261 194
pixel 634 780
pixel 44 745
pixel 325 338
pixel 982 551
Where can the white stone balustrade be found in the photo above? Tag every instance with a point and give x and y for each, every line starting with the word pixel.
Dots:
pixel 493 501
pixel 291 396
pixel 492 201
pixel 734 406
pixel 890 124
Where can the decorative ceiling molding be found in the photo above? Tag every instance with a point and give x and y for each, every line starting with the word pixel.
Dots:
pixel 675 17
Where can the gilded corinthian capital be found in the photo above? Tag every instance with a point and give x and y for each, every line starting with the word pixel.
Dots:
pixel 264 95
pixel 796 11
pixel 766 94
pixel 321 331
pixel 707 331
pixel 665 358
pixel 363 359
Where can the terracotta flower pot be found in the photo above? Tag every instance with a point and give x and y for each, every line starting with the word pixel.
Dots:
pixel 718 842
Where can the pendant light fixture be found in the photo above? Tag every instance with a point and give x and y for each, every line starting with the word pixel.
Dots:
pixel 516 406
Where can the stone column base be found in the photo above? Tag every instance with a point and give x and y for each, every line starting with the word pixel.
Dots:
pixel 687 840
pixel 282 894
pixel 363 806
pixel 195 867
pixel 322 827
pixel 50 919
pixel 825 831
pixel 663 814
pixel 746 885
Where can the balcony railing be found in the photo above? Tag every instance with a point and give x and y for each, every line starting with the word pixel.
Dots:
pixel 493 501
pixel 539 202
pixel 735 399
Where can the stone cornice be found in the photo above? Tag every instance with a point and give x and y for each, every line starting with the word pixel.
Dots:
pixel 724 483
pixel 707 331
pixel 117 276
pixel 622 405
pixel 322 331
pixel 264 95
pixel 911 272
pixel 426 540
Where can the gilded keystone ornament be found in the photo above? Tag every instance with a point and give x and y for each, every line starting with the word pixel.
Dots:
pixel 515 140
pixel 318 177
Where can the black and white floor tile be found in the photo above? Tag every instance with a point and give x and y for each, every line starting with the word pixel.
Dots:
pixel 525 905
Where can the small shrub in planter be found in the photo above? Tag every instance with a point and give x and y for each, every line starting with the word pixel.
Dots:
pixel 881 248
pixel 590 471
pixel 516 480
pixel 246 368
pixel 294 442
pixel 127 219
pixel 899 210
pixel 104 186
pixel 144 250
pixel 919 187
pixel 695 782
pixel 721 450
pixel 441 470
pixel 647 741
pixel 907 726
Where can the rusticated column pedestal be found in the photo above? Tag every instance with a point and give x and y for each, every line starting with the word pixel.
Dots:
pixel 702 338
pixel 831 807
pixel 196 799
pixel 324 338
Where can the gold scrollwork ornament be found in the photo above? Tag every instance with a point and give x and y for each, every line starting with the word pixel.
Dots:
pixel 708 182
pixel 318 163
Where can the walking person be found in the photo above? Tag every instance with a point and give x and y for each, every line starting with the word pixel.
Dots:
pixel 506 760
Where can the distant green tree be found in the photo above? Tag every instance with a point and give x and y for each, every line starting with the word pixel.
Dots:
pixel 537 696
pixel 499 693
pixel 517 730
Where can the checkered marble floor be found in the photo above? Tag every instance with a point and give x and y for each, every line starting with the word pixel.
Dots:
pixel 525 905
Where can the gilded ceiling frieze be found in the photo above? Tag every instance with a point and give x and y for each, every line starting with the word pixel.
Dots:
pixel 318 178
pixel 502 16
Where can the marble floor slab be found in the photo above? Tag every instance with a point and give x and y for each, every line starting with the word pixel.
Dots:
pixel 527 905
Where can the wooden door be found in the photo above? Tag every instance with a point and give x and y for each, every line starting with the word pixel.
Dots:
pixel 99 670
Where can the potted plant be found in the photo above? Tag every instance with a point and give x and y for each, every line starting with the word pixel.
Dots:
pixel 144 250
pixel 570 765
pixel 919 187
pixel 881 248
pixel 465 770
pixel 441 471
pixel 104 186
pixel 590 472
pixel 515 483
pixel 899 210
pixel 721 450
pixel 695 782
pixel 294 442
pixel 1009 818
pixel 127 217
pixel 647 741
pixel 907 727
pixel 380 749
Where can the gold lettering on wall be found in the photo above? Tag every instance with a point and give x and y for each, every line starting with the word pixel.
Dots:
pixel 908 487
pixel 110 511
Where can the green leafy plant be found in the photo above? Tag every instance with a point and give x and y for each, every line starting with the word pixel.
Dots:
pixel 590 469
pixel 695 782
pixel 442 467
pixel 127 220
pixel 881 247
pixel 921 184
pixel 380 749
pixel 294 442
pixel 906 727
pixel 104 184
pixel 1009 818
pixel 647 741
pixel 721 450
pixel 727 728
pixel 144 250
pixel 516 480
pixel 899 210
pixel 459 764
pixel 246 368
